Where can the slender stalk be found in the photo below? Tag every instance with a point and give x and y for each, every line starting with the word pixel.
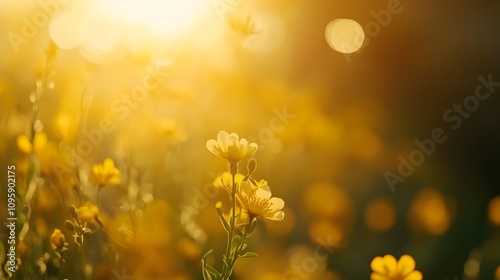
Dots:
pixel 227 268
pixel 240 247
pixel 61 267
pixel 84 261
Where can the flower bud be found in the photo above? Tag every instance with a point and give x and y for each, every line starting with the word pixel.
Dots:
pixel 252 165
pixel 57 239
pixel 73 212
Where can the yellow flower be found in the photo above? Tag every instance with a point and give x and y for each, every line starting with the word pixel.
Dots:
pixel 231 147
pixel 106 173
pixel 57 239
pixel 388 268
pixel 258 202
pixel 25 146
pixel 171 130
pixel 225 181
pixel 88 213
pixel 243 25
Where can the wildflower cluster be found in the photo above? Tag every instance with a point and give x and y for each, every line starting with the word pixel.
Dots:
pixel 250 200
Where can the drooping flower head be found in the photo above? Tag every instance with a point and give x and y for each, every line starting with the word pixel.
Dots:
pixel 106 173
pixel 57 239
pixel 388 268
pixel 257 201
pixel 231 147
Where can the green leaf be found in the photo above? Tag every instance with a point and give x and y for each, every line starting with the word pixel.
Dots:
pixel 206 275
pixel 253 225
pixel 248 255
pixel 212 271
pixel 224 260
pixel 235 243
pixel 223 220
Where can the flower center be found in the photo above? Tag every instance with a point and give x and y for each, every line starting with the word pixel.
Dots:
pixel 258 205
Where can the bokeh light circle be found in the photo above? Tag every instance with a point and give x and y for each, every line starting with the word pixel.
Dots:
pixel 494 211
pixel 344 35
pixel 380 215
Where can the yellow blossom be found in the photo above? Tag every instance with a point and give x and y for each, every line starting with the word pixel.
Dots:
pixel 225 181
pixel 106 173
pixel 171 130
pixel 258 202
pixel 57 239
pixel 388 268
pixel 25 146
pixel 88 213
pixel 231 147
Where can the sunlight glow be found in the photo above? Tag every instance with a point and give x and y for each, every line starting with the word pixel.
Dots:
pixel 162 17
pixel 344 35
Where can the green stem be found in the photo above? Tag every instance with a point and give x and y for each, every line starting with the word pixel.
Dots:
pixel 61 267
pixel 227 269
pixel 84 261
pixel 240 247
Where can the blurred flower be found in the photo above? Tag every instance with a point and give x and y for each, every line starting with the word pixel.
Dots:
pixel 25 146
pixel 57 239
pixel 65 126
pixel 88 213
pixel 188 248
pixel 497 273
pixel 388 268
pixel 106 173
pixel 429 213
pixel 225 180
pixel 231 147
pixel 172 131
pixel 328 201
pixel 494 210
pixel 258 202
pixel 380 215
pixel 325 229
pixel 243 25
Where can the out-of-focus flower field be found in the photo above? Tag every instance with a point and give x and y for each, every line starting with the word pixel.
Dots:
pixel 225 139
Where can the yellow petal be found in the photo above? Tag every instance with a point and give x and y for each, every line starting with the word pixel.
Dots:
pixel 108 164
pixel 377 276
pixel 276 216
pixel 263 193
pixel 223 139
pixel 406 264
pixel 415 275
pixel 24 145
pixel 211 144
pixel 40 141
pixel 384 265
pixel 276 204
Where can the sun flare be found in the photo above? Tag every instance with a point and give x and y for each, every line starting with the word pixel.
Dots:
pixel 162 17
